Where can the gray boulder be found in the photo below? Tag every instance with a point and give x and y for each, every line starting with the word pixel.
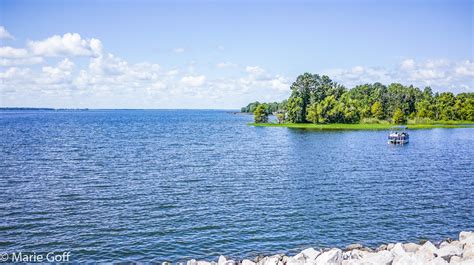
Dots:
pixel 333 257
pixel 247 262
pixel 383 257
pixel 222 260
pixel 411 247
pixel 447 251
pixel 310 254
pixel 437 261
pixel 353 246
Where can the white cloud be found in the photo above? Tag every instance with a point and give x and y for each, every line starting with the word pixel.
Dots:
pixel 280 83
pixel 21 61
pixel 220 48
pixel 254 70
pixel 109 81
pixel 4 34
pixel 193 81
pixel 10 56
pixel 442 75
pixel 61 74
pixel 407 64
pixel 10 52
pixel 178 50
pixel 70 44
pixel 14 72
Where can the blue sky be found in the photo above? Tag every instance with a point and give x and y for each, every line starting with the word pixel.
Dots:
pixel 223 54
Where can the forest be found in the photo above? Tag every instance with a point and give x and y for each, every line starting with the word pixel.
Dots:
pixel 318 99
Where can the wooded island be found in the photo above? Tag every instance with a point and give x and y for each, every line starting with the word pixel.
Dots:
pixel 317 99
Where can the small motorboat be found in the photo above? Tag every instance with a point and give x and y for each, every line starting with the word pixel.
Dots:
pixel 398 135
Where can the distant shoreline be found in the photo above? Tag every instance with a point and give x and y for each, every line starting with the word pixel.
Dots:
pixel 362 126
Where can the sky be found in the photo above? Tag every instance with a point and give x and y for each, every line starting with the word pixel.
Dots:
pixel 223 54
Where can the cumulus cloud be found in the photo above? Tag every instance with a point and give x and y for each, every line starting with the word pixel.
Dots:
pixel 21 61
pixel 254 70
pixel 9 52
pixel 60 74
pixel 70 44
pixel 442 75
pixel 10 56
pixel 106 80
pixel 193 81
pixel 4 34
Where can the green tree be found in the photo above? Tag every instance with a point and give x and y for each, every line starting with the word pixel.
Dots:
pixel 280 117
pixel 318 99
pixel 312 113
pixel 424 109
pixel 295 110
pixel 328 110
pixel 377 110
pixel 260 114
pixel 399 117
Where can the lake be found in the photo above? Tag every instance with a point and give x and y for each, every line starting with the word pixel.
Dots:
pixel 171 185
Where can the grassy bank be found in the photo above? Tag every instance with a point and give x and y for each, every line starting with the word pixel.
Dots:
pixel 363 126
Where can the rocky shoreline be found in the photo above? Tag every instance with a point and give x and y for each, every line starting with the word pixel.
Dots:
pixel 460 251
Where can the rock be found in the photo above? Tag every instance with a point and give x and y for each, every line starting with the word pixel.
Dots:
pixel 411 247
pixel 230 262
pixel 300 257
pixel 468 252
pixel 333 256
pixel 458 244
pixel 353 246
pixel 354 262
pixel 353 254
pixel 398 250
pixel 408 259
pixel 222 260
pixel 447 251
pixel 192 262
pixel 357 254
pixel 310 254
pixel 429 246
pixel 466 237
pixel 259 258
pixel 443 244
pixel 294 261
pixel 390 246
pixel 272 260
pixel 427 251
pixel 438 261
pixel 202 262
pixel 165 263
pixel 247 262
pixel 367 249
pixel 455 260
pixel 383 257
pixel 381 247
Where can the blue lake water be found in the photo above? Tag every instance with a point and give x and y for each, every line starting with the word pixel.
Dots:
pixel 158 185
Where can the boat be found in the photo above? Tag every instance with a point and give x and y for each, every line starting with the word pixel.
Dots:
pixel 398 135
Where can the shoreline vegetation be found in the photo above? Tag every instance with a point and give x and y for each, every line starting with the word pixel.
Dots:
pixel 449 251
pixel 366 126
pixel 318 102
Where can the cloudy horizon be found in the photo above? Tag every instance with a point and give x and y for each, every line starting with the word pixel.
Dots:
pixel 45 65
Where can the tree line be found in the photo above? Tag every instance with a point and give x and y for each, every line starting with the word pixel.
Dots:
pixel 318 99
